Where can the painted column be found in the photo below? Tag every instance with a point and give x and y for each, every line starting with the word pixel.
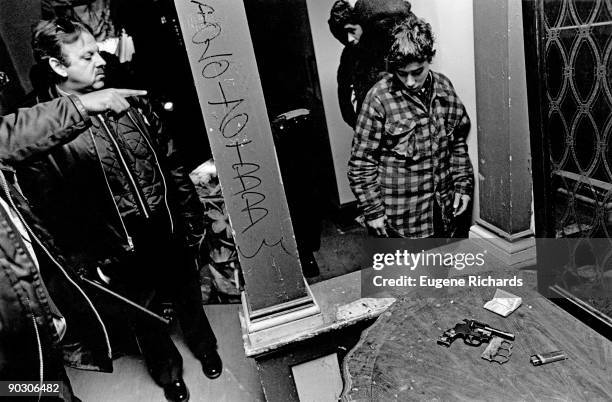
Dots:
pixel 504 163
pixel 222 61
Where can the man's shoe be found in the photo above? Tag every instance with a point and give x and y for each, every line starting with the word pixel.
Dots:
pixel 211 364
pixel 176 391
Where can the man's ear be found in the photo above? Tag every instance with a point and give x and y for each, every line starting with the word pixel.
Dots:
pixel 58 67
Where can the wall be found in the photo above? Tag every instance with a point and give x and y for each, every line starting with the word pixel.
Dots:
pixel 453 26
pixel 327 52
pixel 452 23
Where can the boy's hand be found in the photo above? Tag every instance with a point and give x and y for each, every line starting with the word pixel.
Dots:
pixel 461 203
pixel 377 226
pixel 109 100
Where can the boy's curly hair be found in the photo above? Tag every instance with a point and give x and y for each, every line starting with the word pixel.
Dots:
pixel 413 42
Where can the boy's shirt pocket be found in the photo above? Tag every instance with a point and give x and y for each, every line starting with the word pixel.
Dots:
pixel 400 139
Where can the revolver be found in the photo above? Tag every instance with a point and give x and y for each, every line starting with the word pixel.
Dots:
pixel 474 333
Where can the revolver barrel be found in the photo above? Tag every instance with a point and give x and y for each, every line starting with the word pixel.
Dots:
pixel 501 334
pixel 475 325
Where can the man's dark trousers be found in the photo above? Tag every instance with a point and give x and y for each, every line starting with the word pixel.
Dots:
pixel 161 270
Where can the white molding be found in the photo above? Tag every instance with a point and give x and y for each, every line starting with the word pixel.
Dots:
pixel 276 328
pixel 519 252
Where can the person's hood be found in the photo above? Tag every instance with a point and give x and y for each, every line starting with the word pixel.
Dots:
pixel 368 12
pixel 338 33
pixel 342 10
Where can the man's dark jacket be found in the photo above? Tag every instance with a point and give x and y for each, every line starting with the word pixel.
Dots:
pixel 29 343
pixel 121 173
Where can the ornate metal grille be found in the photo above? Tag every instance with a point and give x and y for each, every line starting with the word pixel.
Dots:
pixel 576 59
pixel 578 67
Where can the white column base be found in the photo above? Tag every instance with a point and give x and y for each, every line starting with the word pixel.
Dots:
pixel 521 252
pixel 278 328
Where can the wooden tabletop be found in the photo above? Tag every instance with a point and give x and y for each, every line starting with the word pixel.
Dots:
pixel 398 357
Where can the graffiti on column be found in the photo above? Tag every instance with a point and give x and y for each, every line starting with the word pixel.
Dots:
pixel 225 73
pixel 232 125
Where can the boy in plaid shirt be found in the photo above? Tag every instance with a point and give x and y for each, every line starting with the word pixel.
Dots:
pixel 409 166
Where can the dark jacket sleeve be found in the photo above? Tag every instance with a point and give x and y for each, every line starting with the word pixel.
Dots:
pixel 186 203
pixel 345 86
pixel 31 131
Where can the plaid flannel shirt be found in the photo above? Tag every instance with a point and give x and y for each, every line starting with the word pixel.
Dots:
pixel 406 155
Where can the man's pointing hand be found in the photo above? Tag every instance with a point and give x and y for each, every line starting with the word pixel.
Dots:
pixel 109 100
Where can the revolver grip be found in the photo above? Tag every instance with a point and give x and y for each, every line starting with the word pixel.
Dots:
pixel 446 339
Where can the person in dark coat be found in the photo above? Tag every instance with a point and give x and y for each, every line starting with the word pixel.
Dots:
pixel 36 334
pixel 343 26
pixel 365 29
pixel 121 206
pixel 377 19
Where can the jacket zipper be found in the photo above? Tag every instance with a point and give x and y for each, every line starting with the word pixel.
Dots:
pixel 158 168
pixel 126 167
pixel 127 234
pixel 41 364
pixel 4 185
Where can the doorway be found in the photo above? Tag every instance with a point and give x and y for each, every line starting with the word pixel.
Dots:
pixel 568 45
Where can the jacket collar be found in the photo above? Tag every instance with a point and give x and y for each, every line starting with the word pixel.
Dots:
pixel 438 90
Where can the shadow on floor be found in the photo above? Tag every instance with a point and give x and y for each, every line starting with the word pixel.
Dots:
pixel 130 381
pixel 340 253
pixel 342 250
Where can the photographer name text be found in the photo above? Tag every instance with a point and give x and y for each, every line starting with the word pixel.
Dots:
pixel 438 283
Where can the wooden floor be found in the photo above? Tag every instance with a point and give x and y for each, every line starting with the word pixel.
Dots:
pixel 130 381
